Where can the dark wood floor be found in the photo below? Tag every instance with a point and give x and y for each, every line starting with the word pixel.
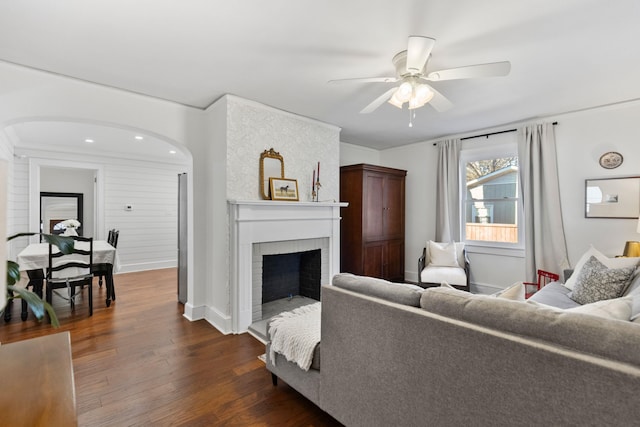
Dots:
pixel 140 362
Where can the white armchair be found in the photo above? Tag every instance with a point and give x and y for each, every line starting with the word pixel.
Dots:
pixel 446 262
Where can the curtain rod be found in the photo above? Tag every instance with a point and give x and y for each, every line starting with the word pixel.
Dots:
pixel 487 135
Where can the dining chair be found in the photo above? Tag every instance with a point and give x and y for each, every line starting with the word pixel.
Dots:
pixel 36 279
pixel 70 271
pixel 99 270
pixel 114 234
pixel 105 271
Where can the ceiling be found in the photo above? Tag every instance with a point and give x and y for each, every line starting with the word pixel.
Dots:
pixel 80 137
pixel 565 55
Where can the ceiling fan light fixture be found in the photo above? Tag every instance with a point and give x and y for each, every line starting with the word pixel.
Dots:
pixel 404 92
pixel 415 103
pixel 423 93
pixel 395 101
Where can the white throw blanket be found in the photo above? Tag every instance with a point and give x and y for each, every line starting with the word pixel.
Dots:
pixel 295 334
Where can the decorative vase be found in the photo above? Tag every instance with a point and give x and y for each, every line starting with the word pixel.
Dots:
pixel 70 232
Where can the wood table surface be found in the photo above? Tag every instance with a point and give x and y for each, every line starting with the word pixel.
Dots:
pixel 37 382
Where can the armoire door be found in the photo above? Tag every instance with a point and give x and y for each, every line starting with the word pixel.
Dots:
pixel 373 263
pixel 394 261
pixel 393 207
pixel 373 206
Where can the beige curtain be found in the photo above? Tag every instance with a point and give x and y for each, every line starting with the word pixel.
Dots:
pixel 545 244
pixel 448 191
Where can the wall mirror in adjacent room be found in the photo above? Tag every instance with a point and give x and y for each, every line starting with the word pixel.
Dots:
pixel 271 166
pixel 612 197
pixel 57 207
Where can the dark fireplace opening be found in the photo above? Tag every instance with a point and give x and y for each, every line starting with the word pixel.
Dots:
pixel 292 274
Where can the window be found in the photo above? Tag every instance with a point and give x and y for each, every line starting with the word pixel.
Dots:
pixel 491 209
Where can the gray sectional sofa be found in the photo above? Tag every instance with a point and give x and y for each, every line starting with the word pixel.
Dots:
pixel 398 355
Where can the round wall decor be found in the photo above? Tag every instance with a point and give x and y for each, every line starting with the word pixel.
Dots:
pixel 611 160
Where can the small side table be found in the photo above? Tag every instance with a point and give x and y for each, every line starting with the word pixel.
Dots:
pixel 37 382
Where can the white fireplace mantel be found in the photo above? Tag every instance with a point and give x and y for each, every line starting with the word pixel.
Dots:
pixel 258 221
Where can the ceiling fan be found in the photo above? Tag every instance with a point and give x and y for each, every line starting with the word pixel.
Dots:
pixel 411 70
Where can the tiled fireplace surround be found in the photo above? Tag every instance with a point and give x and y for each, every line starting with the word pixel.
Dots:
pixel 268 227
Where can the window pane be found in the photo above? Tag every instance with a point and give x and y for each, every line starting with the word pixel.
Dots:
pixel 494 221
pixel 491 203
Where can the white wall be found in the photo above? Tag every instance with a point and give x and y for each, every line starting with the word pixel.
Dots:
pixel 581 139
pixel 15 219
pixel 240 130
pixel 351 154
pixel 148 236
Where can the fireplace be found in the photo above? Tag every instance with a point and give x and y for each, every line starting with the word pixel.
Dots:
pixel 260 228
pixel 289 275
pixel 288 269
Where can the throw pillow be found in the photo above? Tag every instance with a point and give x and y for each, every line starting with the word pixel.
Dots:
pixel 609 262
pixel 634 287
pixel 442 254
pixel 596 282
pixel 460 253
pixel 514 292
pixel 617 308
pixel 445 284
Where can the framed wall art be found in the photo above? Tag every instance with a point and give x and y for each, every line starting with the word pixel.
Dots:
pixel 612 197
pixel 284 189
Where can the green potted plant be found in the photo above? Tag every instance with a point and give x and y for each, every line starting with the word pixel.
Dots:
pixel 37 304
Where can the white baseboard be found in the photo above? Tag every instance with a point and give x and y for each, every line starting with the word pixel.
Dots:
pixel 218 320
pixel 485 289
pixel 411 276
pixel 192 313
pixel 145 266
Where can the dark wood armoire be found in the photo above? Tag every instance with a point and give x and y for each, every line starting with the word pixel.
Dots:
pixel 372 227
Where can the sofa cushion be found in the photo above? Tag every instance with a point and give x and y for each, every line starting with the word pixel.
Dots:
pixel 401 293
pixel 596 282
pixel 451 275
pixel 554 294
pixel 515 292
pixel 616 308
pixel 582 332
pixel 620 262
pixel 634 286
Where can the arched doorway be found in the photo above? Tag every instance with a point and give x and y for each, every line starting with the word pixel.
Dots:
pixel 135 182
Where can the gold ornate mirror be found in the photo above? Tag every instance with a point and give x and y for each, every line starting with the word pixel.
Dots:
pixel 271 166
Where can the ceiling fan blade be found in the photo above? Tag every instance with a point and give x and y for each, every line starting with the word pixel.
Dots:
pixel 366 80
pixel 440 102
pixel 495 69
pixel 378 101
pixel 418 51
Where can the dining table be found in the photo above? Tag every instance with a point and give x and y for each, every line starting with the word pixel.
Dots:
pixel 34 260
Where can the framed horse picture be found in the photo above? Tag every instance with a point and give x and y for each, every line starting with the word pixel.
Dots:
pixel 284 189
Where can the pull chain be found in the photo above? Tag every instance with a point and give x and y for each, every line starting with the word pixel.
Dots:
pixel 412 115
